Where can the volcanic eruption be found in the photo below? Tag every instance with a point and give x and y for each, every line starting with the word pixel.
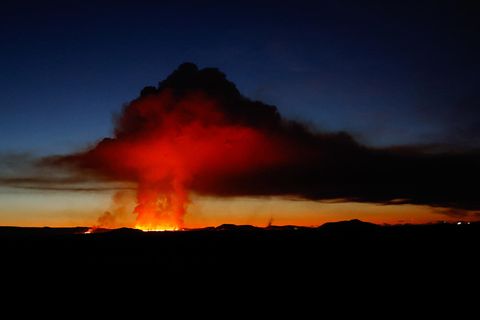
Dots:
pixel 192 130
pixel 195 132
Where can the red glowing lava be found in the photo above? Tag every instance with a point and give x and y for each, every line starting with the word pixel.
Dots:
pixel 165 144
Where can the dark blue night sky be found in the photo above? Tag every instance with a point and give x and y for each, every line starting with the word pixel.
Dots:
pixel 389 74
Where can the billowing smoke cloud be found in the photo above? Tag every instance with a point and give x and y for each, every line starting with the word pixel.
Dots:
pixel 118 213
pixel 196 133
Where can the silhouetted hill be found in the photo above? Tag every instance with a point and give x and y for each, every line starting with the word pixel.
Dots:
pixel 234 227
pixel 120 231
pixel 40 231
pixel 354 225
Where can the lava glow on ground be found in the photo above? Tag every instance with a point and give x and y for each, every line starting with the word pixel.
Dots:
pixel 144 228
pixel 156 228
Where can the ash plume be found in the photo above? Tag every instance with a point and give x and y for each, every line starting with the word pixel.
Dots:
pixel 195 132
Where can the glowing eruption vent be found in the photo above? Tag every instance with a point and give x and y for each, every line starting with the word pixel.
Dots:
pixel 157 227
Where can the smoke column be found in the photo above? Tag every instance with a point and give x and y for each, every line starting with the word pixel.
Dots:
pixel 167 139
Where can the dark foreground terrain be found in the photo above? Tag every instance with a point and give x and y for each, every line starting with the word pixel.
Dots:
pixel 346 248
pixel 352 264
pixel 348 267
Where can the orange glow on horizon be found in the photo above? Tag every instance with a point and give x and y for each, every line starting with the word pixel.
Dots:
pixel 71 209
pixel 159 227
